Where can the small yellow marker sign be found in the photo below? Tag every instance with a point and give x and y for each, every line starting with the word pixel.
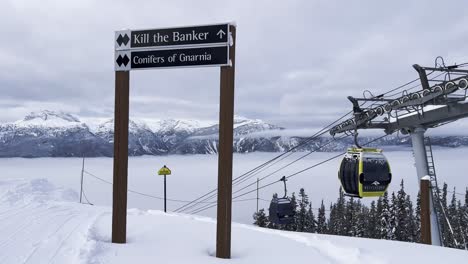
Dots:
pixel 164 171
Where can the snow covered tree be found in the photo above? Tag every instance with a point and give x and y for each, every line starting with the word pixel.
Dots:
pixel 270 224
pixel 403 212
pixel 337 215
pixel 301 215
pixel 453 238
pixel 386 219
pixel 349 220
pixel 311 223
pixel 446 236
pixel 462 224
pixel 321 220
pixel 361 214
pixel 379 224
pixel 292 226
pixel 466 197
pixel 332 222
pixel 260 218
pixel 392 224
pixel 417 218
pixel 399 212
pixel 372 222
pixel 463 216
pixel 340 218
pixel 412 226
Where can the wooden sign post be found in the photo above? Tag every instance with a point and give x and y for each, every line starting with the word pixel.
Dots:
pixel 226 125
pixel 425 187
pixel 119 193
pixel 210 45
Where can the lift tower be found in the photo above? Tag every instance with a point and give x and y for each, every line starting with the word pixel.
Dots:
pixel 440 101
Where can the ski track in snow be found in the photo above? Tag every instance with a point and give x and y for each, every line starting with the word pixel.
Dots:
pixel 347 255
pixel 41 231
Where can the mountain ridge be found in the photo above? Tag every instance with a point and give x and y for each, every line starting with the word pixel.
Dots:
pixel 59 134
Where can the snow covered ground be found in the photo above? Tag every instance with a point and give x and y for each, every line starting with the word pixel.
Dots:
pixel 194 175
pixel 40 223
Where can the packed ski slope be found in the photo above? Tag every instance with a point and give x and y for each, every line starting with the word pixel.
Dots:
pixel 40 223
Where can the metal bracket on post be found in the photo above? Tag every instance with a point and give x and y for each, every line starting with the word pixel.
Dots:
pixel 356 107
pixel 422 76
pixel 283 179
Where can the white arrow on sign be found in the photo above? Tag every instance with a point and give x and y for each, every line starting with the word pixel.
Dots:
pixel 220 33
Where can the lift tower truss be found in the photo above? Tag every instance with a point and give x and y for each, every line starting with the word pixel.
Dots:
pixel 438 102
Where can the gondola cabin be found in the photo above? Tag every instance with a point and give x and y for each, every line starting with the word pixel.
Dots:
pixel 281 211
pixel 364 172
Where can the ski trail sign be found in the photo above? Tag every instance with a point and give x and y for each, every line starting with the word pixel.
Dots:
pixel 172 47
pixel 193 46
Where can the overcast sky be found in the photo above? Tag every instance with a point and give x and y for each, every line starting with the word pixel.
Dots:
pixel 296 60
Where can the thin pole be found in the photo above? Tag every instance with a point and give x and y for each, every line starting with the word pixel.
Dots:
pixel 257 195
pixel 226 127
pixel 82 174
pixel 119 192
pixel 165 210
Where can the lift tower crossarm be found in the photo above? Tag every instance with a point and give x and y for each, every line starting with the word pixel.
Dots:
pixel 430 118
pixel 421 98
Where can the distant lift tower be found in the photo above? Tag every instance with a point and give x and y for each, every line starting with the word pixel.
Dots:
pixel 440 101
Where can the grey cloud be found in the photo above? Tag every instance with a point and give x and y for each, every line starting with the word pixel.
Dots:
pixel 296 60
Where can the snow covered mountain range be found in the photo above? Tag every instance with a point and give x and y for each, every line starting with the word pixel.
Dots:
pixel 58 134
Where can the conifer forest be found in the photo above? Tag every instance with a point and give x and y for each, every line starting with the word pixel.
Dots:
pixel 393 216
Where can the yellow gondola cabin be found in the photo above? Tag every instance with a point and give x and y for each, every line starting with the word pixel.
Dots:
pixel 364 172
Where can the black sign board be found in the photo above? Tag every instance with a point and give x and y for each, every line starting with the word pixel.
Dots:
pixel 144 59
pixel 182 36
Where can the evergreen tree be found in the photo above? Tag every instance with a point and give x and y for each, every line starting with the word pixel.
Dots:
pixel 386 215
pixel 399 212
pixel 311 222
pixel 332 224
pixel 292 226
pixel 451 213
pixel 260 218
pixel 272 225
pixel 417 218
pixel 402 213
pixel 350 220
pixel 361 216
pixel 446 236
pixel 321 220
pixel 393 220
pixel 379 224
pixel 372 222
pixel 463 212
pixel 443 198
pixel 466 197
pixel 301 215
pixel 462 223
pixel 340 219
pixel 412 226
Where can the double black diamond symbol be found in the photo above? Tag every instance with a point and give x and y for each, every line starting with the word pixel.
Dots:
pixel 122 60
pixel 123 39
